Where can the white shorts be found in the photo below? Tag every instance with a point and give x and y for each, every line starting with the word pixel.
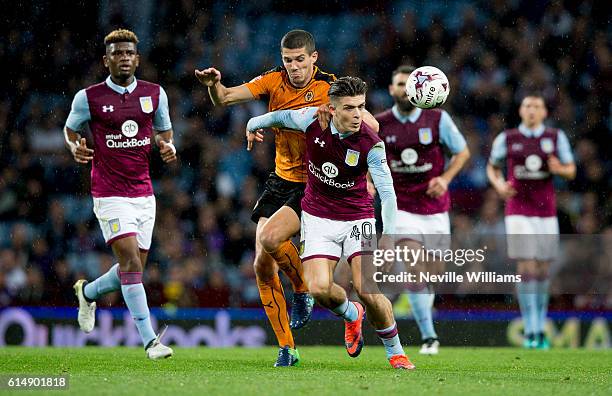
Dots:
pixel 532 238
pixel 332 239
pixel 433 230
pixel 121 217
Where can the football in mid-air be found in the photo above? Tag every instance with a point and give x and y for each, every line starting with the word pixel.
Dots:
pixel 427 87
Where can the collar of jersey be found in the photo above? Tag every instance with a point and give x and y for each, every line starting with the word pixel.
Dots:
pixel 532 132
pixel 412 117
pixel 118 88
pixel 335 131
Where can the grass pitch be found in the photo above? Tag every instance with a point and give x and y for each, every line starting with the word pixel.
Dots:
pixel 323 371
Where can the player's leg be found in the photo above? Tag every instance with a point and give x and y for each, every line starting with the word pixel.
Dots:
pixel 542 297
pixel 273 299
pixel 132 253
pixel 115 223
pixel 275 238
pixel 380 315
pixel 527 298
pixel 416 231
pixel 521 247
pixel 421 302
pixel 318 271
pixel 130 273
pixel 548 245
pixel 320 252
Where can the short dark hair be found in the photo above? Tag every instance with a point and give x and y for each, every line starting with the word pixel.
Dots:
pixel 120 36
pixel 347 86
pixel 403 69
pixel 534 94
pixel 298 39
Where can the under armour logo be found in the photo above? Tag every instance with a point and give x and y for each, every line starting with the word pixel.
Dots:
pixel 109 108
pixel 268 305
pixel 319 142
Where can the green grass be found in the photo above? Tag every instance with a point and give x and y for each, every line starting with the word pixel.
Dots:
pixel 324 370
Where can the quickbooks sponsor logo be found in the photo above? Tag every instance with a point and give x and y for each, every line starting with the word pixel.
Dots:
pixel 130 143
pixel 327 180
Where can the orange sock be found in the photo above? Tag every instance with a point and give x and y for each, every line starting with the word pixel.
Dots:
pixel 273 299
pixel 289 262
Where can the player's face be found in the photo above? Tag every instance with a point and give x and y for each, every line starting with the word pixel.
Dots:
pixel 533 111
pixel 121 59
pixel 347 112
pixel 397 90
pixel 299 65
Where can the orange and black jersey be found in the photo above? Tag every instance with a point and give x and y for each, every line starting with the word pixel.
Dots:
pixel 275 87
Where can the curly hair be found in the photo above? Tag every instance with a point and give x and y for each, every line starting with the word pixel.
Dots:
pixel 120 36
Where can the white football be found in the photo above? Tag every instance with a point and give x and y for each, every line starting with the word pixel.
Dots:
pixel 427 87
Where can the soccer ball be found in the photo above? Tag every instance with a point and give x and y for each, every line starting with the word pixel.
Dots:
pixel 427 87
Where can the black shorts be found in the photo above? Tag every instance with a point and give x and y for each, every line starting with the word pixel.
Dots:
pixel 278 193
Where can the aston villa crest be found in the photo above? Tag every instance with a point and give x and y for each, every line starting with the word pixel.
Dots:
pixel 114 225
pixel 146 104
pixel 547 145
pixel 425 135
pixel 352 157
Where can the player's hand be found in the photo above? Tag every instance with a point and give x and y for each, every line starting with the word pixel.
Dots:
pixel 437 187
pixel 82 153
pixel 323 115
pixel 208 77
pixel 255 136
pixel 167 151
pixel 554 165
pixel 505 190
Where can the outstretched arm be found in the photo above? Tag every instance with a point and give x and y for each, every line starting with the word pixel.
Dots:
pixel 219 93
pixel 298 120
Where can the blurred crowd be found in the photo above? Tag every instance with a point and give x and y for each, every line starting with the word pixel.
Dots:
pixel 492 52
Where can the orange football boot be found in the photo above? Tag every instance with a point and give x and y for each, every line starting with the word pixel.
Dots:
pixel 353 338
pixel 401 362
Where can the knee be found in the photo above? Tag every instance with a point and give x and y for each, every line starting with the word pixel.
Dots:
pixel 131 264
pixel 270 239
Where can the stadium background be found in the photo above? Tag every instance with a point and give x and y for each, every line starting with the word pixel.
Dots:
pixel 202 253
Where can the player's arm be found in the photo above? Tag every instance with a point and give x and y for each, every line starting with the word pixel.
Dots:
pixel 454 141
pixel 162 124
pixel 494 168
pixel 219 93
pixel 297 120
pixel 564 164
pixel 78 117
pixel 383 181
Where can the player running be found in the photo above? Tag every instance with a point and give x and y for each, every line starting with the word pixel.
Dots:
pixel 531 154
pixel 296 84
pixel 416 141
pixel 338 214
pixel 123 114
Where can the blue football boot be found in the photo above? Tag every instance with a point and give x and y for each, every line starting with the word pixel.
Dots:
pixel 287 357
pixel 301 310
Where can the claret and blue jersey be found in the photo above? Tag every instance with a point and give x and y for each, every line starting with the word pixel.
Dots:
pixel 525 152
pixel 122 120
pixel 337 167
